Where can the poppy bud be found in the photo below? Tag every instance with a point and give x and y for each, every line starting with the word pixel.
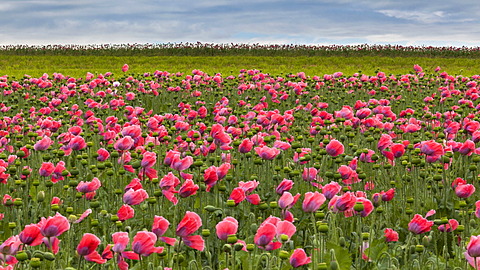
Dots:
pixel 250 247
pixel 334 265
pixel 358 207
pixel 263 206
pixel 40 196
pixel 322 227
pixel 35 263
pixel 72 218
pixel 231 203
pixel 319 215
pixel 227 248
pixel 238 246
pixel 94 222
pixel 342 242
pixel 55 207
pixel 210 208
pixel 232 238
pixel 18 202
pixel 49 256
pixel 284 254
pixel 94 204
pixel 426 240
pixel 205 232
pixel 21 256
pixel 322 266
pixel 419 248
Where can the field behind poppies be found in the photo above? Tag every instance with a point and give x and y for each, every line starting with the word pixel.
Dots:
pixel 141 166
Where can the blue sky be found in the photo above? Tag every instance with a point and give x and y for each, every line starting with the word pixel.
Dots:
pixel 321 22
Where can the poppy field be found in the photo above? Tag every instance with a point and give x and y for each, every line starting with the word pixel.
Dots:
pixel 171 170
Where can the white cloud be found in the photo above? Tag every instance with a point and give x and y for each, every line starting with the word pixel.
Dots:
pixel 416 16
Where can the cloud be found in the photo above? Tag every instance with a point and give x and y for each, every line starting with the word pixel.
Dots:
pixel 416 16
pixel 223 21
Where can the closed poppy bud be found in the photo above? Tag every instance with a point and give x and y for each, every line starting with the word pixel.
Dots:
pixel 21 256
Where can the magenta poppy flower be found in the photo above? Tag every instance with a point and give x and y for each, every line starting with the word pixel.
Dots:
pixel 431 148
pixel 149 159
pixel 31 235
pixel 43 144
pixel 77 143
pixel 334 148
pixel 226 227
pixel 397 149
pixel 287 200
pixel 451 226
pixel 134 131
pixel 189 224
pixel 103 154
pixel 419 225
pixel 144 244
pixel 384 142
pixel 54 226
pixel 135 197
pixel 285 185
pixel 367 207
pixel 46 169
pixel 265 234
pixel 299 258
pixel 285 227
pixel 390 235
pixel 85 187
pixel 465 190
pixel 123 144
pixel 180 164
pixel 313 201
pixel 267 153
pixel 245 146
pixel 237 195
pixel 159 227
pixel 331 189
pixel 125 212
pixel 473 247
pixel 87 248
pixel 188 188
pixel 309 174
pixel 344 202
pixel 387 195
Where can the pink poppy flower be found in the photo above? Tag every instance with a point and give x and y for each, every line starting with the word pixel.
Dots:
pixel 85 187
pixel 135 197
pixel 419 225
pixel 144 244
pixel 299 258
pixel 226 227
pixel 87 248
pixel 267 153
pixel 125 212
pixel 334 148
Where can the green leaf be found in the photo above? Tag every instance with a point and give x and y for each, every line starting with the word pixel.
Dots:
pixel 342 255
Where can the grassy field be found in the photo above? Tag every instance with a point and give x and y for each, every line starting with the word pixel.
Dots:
pixel 77 66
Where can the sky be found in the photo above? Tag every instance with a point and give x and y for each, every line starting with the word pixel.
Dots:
pixel 309 22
